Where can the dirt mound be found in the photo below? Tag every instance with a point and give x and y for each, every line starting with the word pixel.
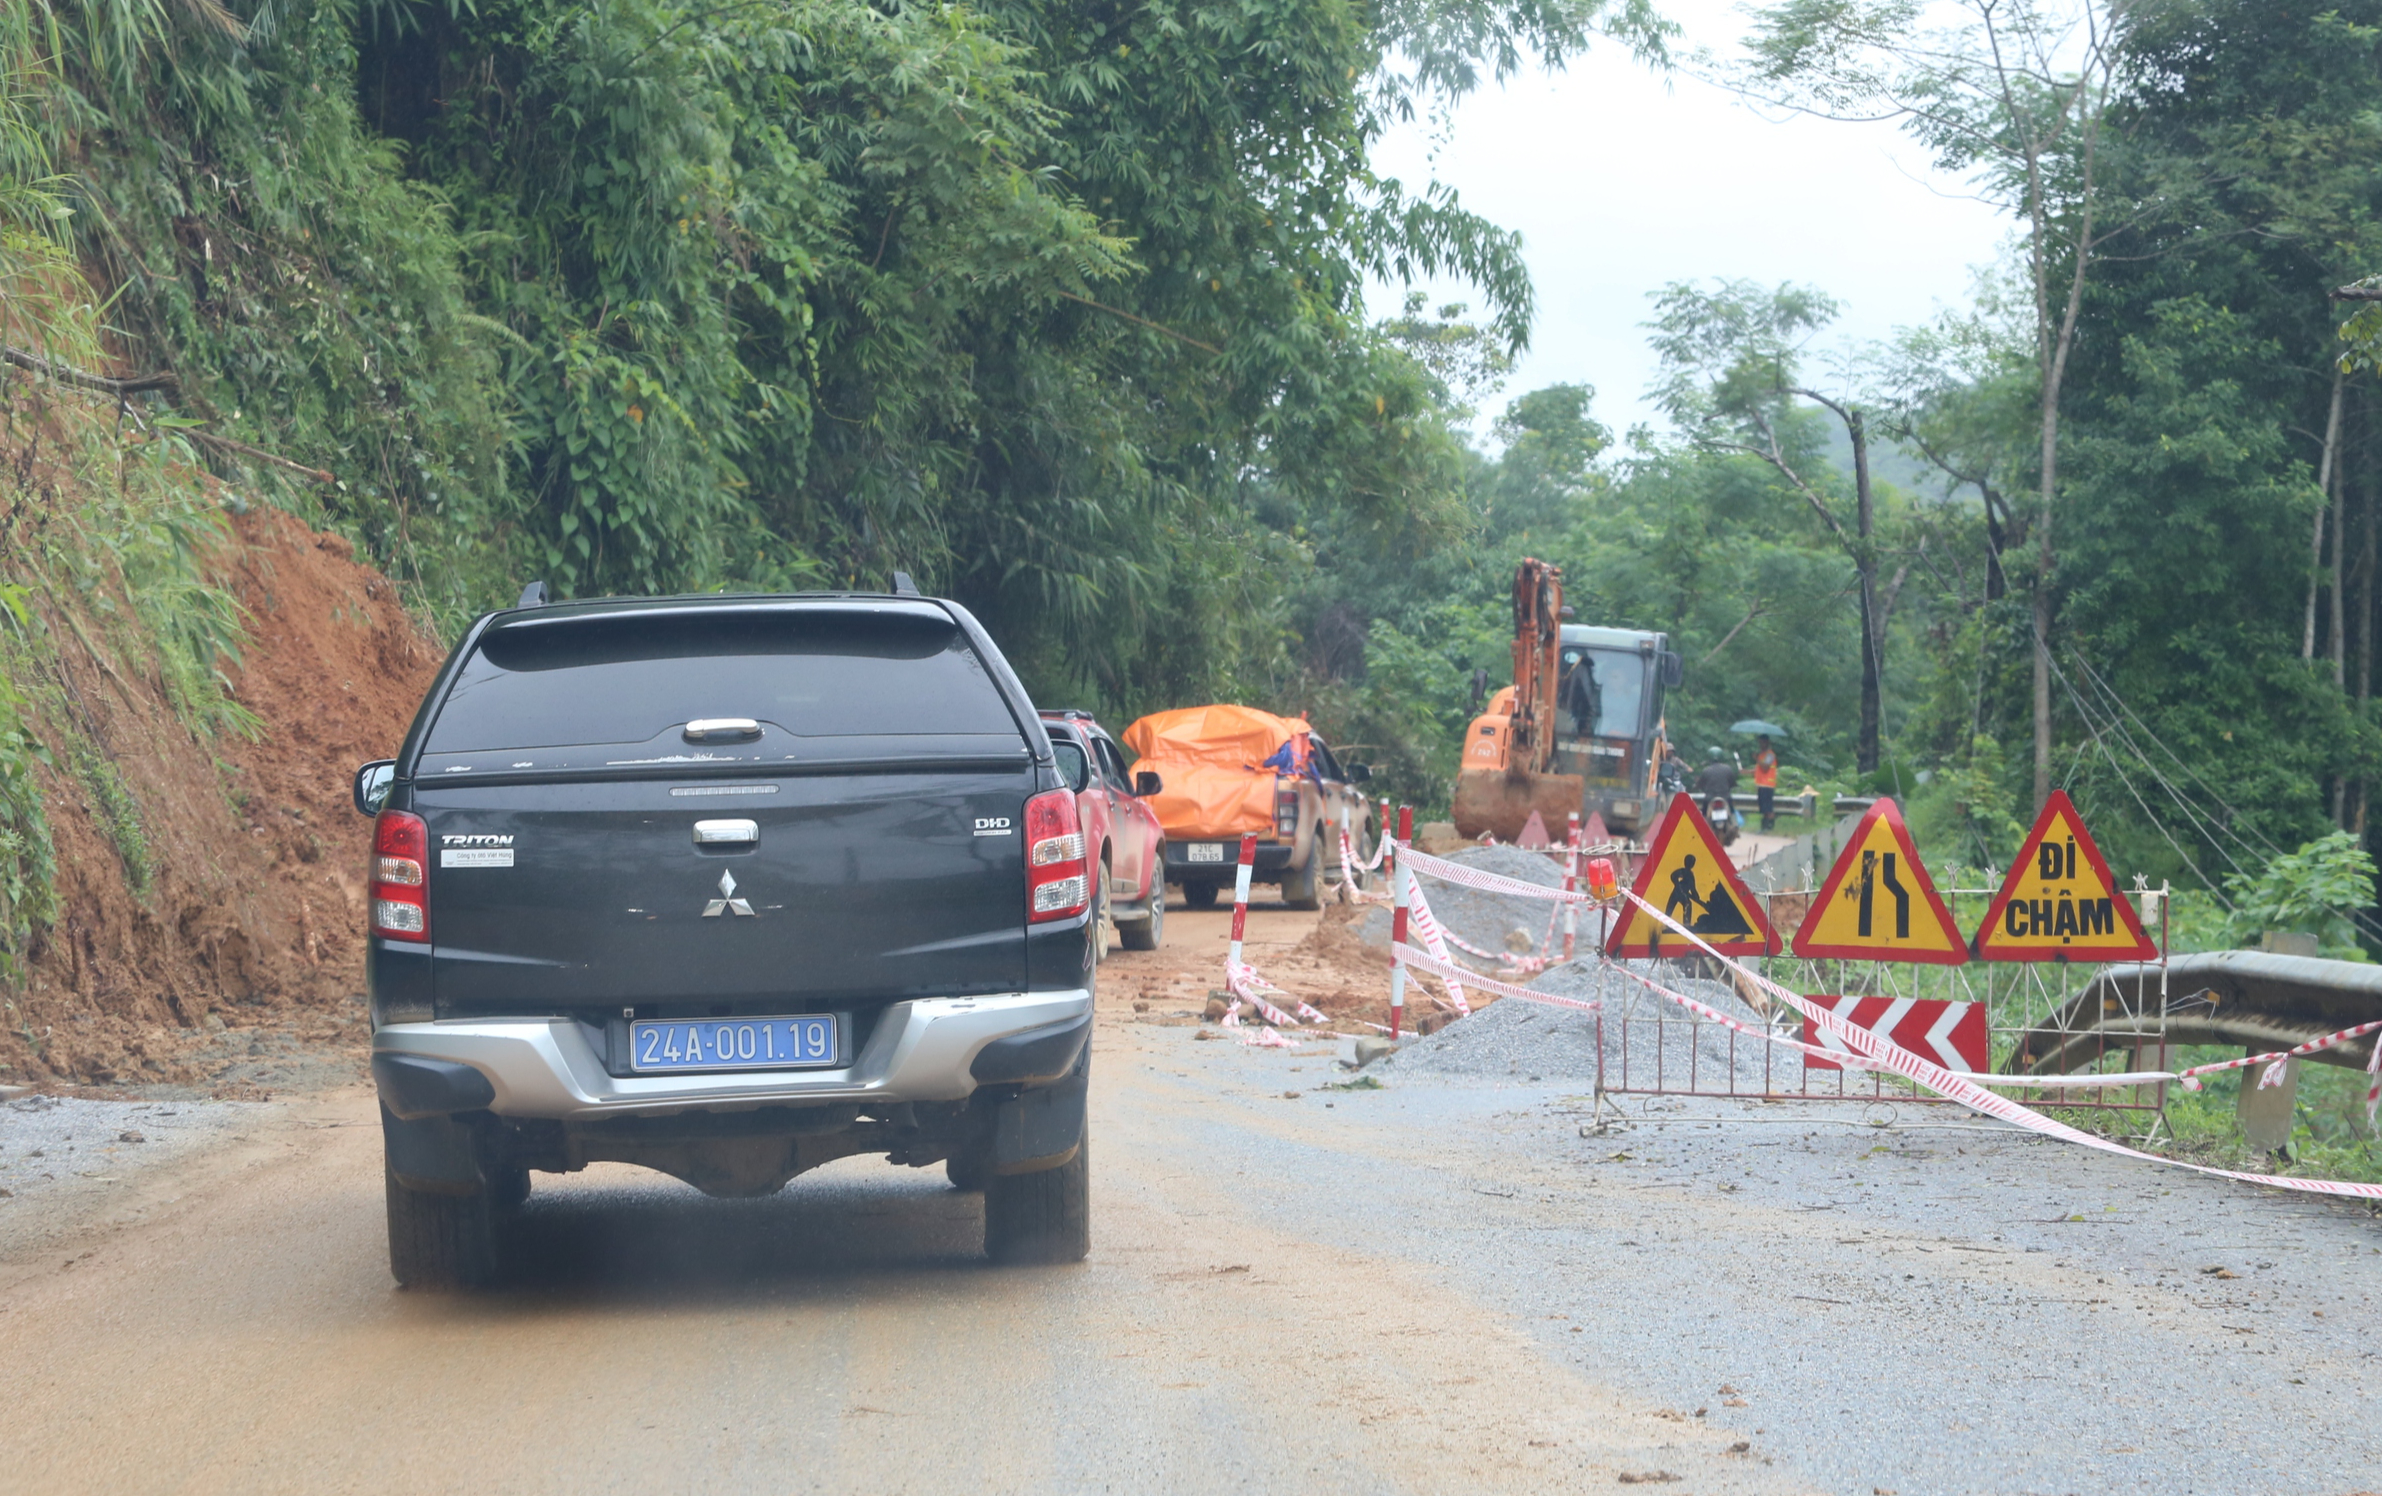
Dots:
pixel 243 903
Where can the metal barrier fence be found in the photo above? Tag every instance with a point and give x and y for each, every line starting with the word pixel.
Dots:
pixel 1650 1047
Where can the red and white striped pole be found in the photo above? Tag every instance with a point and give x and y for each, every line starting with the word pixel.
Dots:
pixel 1398 877
pixel 1571 883
pixel 1240 901
pixel 1347 868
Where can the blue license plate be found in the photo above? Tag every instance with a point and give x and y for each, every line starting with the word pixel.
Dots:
pixel 806 1042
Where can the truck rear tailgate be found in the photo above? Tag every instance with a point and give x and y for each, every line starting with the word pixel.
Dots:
pixel 855 888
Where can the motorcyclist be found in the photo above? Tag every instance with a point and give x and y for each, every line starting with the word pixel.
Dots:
pixel 1717 777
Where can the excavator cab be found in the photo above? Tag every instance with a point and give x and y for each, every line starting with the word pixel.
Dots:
pixel 1609 718
pixel 1579 730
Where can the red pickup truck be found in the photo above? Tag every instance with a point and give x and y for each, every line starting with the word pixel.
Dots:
pixel 1122 833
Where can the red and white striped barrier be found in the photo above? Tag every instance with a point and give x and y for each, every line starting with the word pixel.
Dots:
pixel 1401 884
pixel 1953 1034
pixel 2276 1061
pixel 1902 1062
pixel 1422 960
pixel 1424 923
pixel 1472 877
pixel 1240 901
pixel 1571 884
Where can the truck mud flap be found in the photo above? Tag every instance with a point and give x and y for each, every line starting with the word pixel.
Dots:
pixel 437 1154
pixel 1043 1128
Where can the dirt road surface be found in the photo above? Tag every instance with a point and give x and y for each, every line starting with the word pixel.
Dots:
pixel 1429 1288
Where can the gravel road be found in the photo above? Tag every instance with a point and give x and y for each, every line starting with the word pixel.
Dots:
pixel 1453 1283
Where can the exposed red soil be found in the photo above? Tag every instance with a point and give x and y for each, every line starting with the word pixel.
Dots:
pixel 254 913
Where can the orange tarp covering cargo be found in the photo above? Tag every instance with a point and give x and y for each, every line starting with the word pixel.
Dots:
pixel 1212 759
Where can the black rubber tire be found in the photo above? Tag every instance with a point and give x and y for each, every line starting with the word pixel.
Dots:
pixel 444 1241
pixel 968 1171
pixel 1146 933
pixel 1103 921
pixel 1199 895
pixel 1304 888
pixel 1044 1217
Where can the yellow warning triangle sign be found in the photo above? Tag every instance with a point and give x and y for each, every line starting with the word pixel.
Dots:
pixel 1878 904
pixel 2059 901
pixel 1687 876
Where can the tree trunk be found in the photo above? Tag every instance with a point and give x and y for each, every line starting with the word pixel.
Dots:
pixel 1865 563
pixel 2340 572
pixel 2042 598
pixel 2365 591
pixel 2332 435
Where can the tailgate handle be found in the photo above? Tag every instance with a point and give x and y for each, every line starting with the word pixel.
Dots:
pixel 720 729
pixel 727 833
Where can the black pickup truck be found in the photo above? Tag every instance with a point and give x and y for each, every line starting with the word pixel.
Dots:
pixel 726 887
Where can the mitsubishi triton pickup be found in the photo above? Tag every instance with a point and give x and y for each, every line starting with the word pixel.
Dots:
pixel 726 887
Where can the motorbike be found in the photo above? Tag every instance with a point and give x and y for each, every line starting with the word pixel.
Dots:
pixel 1721 816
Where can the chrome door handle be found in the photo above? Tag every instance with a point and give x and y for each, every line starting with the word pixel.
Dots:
pixel 727 833
pixel 720 729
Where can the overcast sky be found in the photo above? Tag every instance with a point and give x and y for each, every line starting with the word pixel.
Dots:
pixel 1620 181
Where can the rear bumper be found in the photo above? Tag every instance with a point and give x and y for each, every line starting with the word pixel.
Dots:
pixel 1273 859
pixel 921 1050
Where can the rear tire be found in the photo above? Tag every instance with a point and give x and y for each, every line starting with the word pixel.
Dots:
pixel 1199 895
pixel 1044 1217
pixel 1104 925
pixel 1145 933
pixel 968 1171
pixel 1304 889
pixel 444 1241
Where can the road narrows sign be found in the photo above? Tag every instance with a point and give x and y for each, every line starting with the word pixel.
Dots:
pixel 1687 876
pixel 2060 901
pixel 1878 904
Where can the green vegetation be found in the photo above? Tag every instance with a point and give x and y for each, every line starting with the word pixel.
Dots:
pixel 1057 306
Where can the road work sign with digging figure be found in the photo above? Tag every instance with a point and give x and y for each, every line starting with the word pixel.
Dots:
pixel 1686 875
pixel 1878 904
pixel 2060 902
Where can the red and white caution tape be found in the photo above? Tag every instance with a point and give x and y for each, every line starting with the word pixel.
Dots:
pixel 1472 877
pixel 1935 1078
pixel 1348 886
pixel 1422 960
pixel 2275 1063
pixel 1425 924
pixel 1242 980
pixel 2373 1089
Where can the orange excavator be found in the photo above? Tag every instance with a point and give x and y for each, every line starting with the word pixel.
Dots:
pixel 1508 767
pixel 1580 729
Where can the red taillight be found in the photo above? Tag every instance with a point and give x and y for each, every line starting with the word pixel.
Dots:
pixel 1286 811
pixel 400 876
pixel 1058 875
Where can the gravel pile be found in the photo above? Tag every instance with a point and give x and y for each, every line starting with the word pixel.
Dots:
pixel 1655 1039
pixel 1506 1040
pixel 1488 920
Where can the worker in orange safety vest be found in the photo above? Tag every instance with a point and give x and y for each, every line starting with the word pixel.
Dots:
pixel 1765 780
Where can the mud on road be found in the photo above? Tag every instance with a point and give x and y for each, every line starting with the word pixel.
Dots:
pixel 1442 1285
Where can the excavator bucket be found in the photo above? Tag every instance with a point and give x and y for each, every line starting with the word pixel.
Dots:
pixel 1500 801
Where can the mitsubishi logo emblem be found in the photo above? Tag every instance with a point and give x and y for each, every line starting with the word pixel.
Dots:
pixel 727 902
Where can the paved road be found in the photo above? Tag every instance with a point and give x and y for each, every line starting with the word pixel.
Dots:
pixel 1431 1288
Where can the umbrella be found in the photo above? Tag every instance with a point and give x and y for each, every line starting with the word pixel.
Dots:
pixel 1758 726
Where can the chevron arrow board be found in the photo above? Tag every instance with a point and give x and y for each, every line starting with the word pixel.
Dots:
pixel 1950 1034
